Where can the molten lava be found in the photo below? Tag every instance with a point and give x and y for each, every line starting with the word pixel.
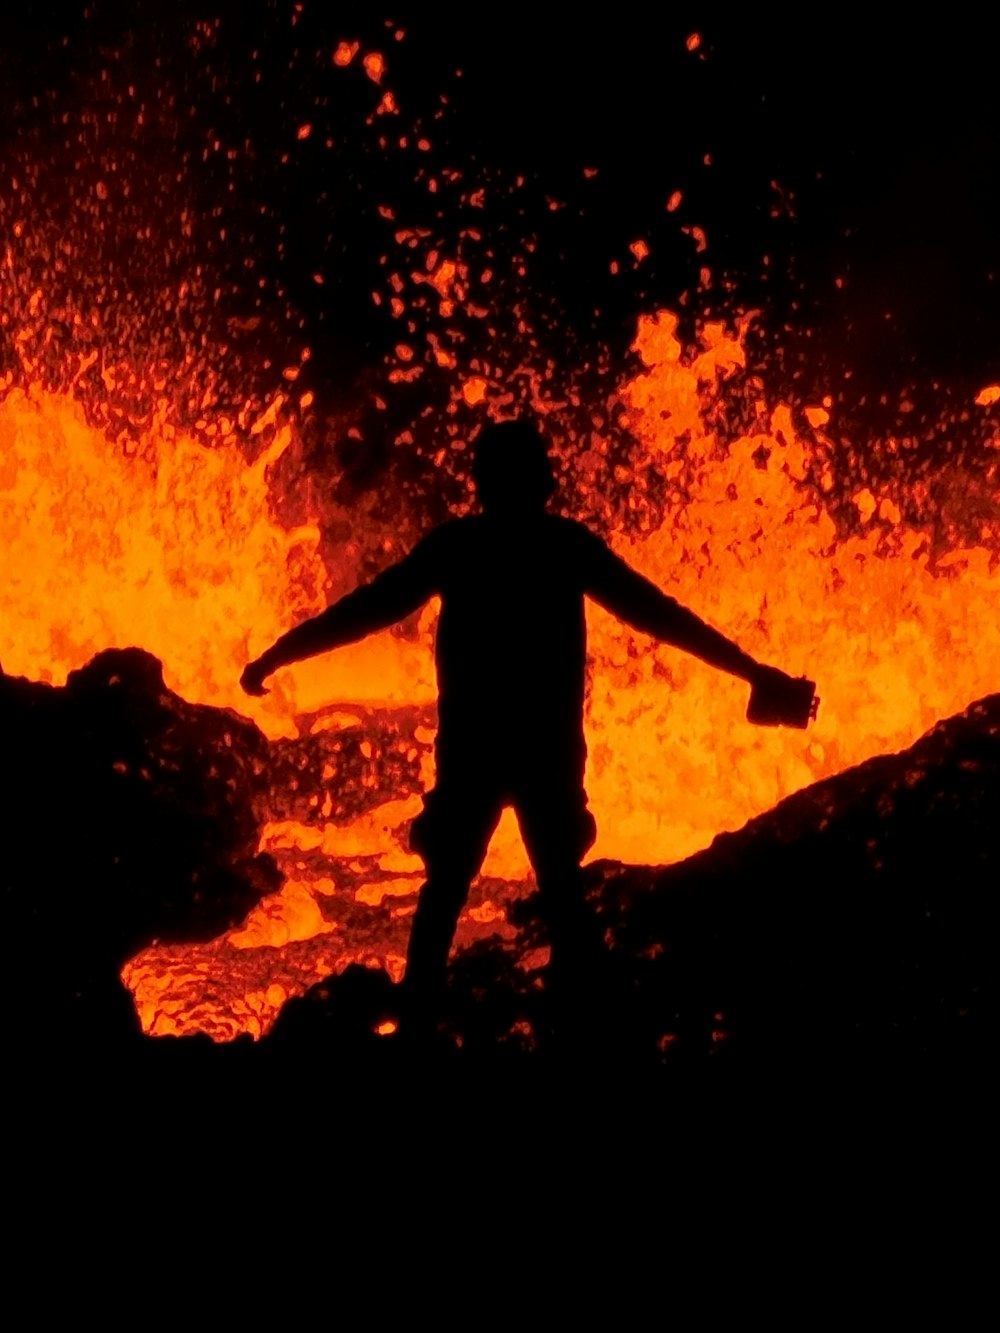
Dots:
pixel 177 539
pixel 175 548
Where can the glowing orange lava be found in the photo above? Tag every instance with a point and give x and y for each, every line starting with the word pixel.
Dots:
pixel 175 548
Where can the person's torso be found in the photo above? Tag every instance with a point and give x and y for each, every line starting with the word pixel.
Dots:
pixel 511 640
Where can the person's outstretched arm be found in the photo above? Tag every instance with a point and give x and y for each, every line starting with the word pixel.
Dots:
pixel 390 597
pixel 631 597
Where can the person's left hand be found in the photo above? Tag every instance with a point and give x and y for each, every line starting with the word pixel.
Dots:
pixel 253 678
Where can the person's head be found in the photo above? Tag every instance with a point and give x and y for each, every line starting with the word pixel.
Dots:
pixel 511 467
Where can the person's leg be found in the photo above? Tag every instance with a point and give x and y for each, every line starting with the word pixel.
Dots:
pixel 558 829
pixel 451 834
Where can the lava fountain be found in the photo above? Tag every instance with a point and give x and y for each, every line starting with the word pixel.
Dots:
pixel 200 537
pixel 175 548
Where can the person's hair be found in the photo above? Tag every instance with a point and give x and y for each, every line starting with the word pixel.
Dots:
pixel 511 466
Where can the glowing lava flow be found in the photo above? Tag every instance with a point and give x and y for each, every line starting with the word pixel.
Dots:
pixel 672 760
pixel 893 646
pixel 176 549
pixel 173 548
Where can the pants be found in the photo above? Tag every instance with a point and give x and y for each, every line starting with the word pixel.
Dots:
pixel 452 834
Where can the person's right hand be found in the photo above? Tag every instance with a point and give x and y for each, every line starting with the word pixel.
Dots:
pixel 777 699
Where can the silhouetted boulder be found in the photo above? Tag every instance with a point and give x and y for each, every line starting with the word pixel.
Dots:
pixel 129 816
pixel 856 917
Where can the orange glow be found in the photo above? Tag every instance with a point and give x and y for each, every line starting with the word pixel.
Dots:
pixel 672 760
pixel 201 532
pixel 174 549
pixel 174 546
pixel 374 66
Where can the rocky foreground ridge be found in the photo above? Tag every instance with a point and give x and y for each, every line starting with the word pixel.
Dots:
pixel 856 918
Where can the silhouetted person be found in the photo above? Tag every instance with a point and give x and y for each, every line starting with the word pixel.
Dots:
pixel 511 646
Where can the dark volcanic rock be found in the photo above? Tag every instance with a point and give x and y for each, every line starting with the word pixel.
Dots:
pixel 857 916
pixel 129 816
pixel 854 919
